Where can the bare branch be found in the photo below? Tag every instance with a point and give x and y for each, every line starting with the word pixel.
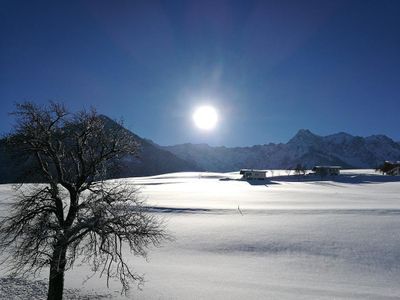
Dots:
pixel 74 212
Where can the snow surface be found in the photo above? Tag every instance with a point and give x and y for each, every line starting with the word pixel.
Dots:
pixel 286 238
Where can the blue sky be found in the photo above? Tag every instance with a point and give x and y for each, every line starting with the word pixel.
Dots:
pixel 270 67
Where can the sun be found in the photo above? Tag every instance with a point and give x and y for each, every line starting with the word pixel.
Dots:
pixel 205 117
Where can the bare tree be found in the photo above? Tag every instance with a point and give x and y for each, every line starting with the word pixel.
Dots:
pixel 300 169
pixel 73 212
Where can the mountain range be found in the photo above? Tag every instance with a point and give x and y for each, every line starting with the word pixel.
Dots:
pixel 152 160
pixel 304 148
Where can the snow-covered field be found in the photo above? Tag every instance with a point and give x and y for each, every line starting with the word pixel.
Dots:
pixel 287 238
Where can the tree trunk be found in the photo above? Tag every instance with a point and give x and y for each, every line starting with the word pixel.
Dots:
pixel 56 277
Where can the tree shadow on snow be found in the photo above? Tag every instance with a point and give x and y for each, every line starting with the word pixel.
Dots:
pixel 164 209
pixel 265 182
pixel 342 178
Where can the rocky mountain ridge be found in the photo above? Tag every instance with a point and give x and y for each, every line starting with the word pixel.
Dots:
pixel 305 148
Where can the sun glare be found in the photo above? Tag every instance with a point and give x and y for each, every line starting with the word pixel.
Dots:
pixel 205 117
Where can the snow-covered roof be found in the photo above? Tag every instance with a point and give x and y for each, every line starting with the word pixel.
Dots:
pixel 327 167
pixel 251 170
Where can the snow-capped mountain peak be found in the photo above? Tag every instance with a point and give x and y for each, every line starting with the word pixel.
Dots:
pixel 305 147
